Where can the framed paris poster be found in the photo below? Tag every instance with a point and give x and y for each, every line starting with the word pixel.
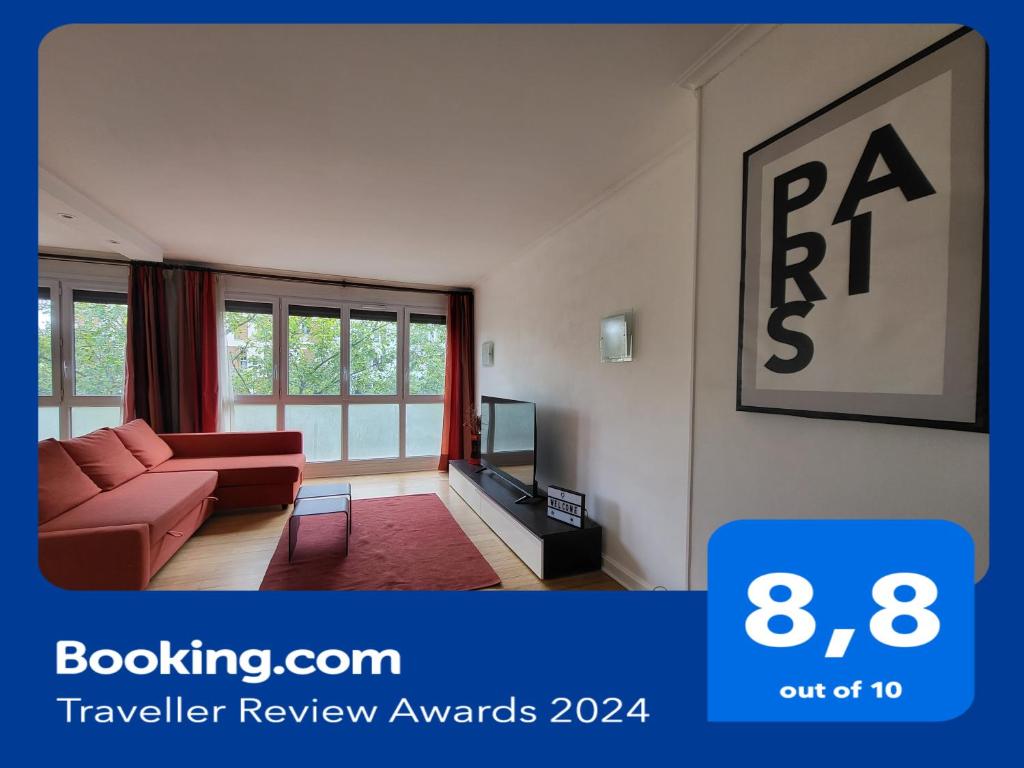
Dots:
pixel 863 291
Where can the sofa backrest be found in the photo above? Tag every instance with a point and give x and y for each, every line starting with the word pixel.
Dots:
pixel 103 457
pixel 195 445
pixel 62 483
pixel 145 444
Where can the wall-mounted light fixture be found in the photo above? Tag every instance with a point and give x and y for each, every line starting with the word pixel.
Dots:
pixel 617 338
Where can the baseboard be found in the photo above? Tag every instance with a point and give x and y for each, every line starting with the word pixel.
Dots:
pixel 624 576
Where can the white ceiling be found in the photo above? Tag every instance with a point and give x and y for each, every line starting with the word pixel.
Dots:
pixel 415 153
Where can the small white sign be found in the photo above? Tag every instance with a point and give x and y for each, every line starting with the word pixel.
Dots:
pixel 566 506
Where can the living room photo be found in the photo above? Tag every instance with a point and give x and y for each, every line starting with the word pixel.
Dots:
pixel 501 307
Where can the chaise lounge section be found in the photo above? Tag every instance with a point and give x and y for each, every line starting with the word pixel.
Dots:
pixel 116 504
pixel 254 469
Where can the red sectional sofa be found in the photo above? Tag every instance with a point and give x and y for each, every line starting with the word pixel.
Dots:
pixel 116 504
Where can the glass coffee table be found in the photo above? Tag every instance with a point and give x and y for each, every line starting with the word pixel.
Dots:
pixel 309 505
pixel 326 489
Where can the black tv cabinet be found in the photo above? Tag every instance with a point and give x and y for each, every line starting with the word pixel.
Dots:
pixel 550 548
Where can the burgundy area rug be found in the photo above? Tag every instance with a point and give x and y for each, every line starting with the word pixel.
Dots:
pixel 399 542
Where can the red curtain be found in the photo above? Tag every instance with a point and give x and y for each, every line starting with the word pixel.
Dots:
pixel 197 352
pixel 171 379
pixel 459 380
pixel 148 390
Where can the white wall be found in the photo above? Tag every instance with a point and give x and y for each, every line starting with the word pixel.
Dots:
pixel 617 432
pixel 761 465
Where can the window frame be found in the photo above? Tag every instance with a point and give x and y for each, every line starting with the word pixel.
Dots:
pixel 56 380
pixel 398 310
pixel 53 400
pixel 410 311
pixel 287 302
pixel 286 397
pixel 395 399
pixel 62 341
pixel 281 398
pixel 272 398
pixel 411 399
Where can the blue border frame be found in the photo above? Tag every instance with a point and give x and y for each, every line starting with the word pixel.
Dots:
pixel 628 645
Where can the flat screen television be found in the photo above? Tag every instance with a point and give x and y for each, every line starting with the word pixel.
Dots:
pixel 508 441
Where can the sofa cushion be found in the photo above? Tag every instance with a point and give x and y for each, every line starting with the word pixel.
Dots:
pixel 243 470
pixel 103 458
pixel 145 444
pixel 62 483
pixel 157 500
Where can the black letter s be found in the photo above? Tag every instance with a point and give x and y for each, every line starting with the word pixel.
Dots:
pixel 801 342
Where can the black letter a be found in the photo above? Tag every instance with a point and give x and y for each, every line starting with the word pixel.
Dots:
pixel 904 172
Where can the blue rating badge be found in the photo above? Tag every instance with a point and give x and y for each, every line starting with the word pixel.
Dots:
pixel 840 620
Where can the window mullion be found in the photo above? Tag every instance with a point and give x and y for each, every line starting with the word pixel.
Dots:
pixel 402 384
pixel 280 346
pixel 64 312
pixel 346 396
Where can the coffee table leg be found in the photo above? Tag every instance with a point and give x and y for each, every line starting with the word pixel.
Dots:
pixel 293 532
pixel 348 530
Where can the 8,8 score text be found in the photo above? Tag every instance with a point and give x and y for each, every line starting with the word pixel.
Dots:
pixel 890 593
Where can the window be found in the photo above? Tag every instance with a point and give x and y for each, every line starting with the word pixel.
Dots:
pixel 82 332
pixel 428 335
pixel 49 399
pixel 100 335
pixel 373 431
pixel 373 352
pixel 423 428
pixel 49 422
pixel 428 338
pixel 89 418
pixel 321 429
pixel 314 351
pixel 45 343
pixel 360 382
pixel 313 404
pixel 101 330
pixel 249 337
pixel 249 340
pixel 255 418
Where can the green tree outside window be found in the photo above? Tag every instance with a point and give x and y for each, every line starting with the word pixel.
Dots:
pixel 426 358
pixel 250 341
pixel 314 355
pixel 101 332
pixel 45 348
pixel 373 357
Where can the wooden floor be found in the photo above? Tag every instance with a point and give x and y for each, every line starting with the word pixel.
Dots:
pixel 232 549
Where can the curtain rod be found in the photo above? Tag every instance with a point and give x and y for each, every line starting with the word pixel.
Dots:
pixel 259 275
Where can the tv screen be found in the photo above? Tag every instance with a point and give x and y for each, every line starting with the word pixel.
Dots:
pixel 508 440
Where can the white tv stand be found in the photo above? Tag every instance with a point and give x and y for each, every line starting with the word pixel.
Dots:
pixel 549 548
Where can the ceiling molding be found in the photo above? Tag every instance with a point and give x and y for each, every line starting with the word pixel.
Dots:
pixel 91 223
pixel 733 44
